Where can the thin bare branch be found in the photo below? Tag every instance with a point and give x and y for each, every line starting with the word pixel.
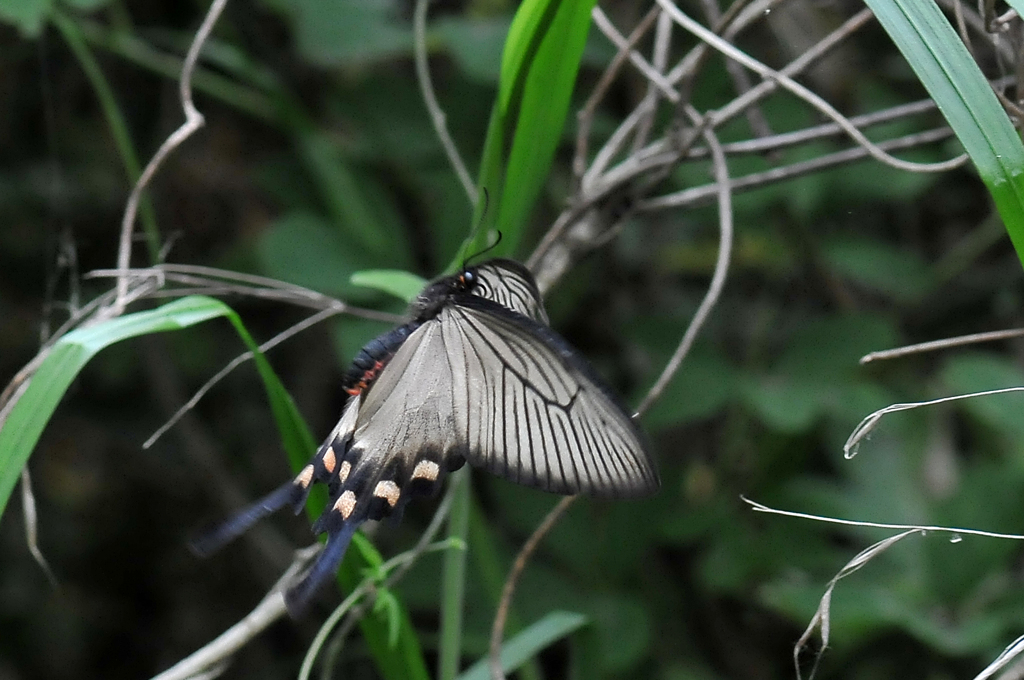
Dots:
pixel 235 363
pixel 703 194
pixel 738 17
pixel 437 115
pixel 217 653
pixel 725 238
pixel 669 149
pixel 804 93
pixel 955 532
pixel 498 628
pixel 659 59
pixel 193 121
pixel 740 78
pixel 206 279
pixel 1012 651
pixel 945 343
pixel 608 28
pixel 816 132
pixel 585 117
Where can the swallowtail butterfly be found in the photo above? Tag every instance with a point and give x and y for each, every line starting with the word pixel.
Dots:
pixel 476 375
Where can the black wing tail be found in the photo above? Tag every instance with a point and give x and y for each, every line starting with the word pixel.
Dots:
pixel 216 538
pixel 297 598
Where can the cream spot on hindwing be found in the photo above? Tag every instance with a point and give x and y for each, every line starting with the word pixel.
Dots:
pixel 426 469
pixel 346 467
pixel 305 477
pixel 387 490
pixel 329 460
pixel 346 503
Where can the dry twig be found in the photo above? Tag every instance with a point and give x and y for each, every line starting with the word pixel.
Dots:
pixel 193 121
pixel 498 627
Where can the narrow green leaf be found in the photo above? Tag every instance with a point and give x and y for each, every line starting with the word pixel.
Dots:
pixel 28 15
pixel 539 66
pixel 21 432
pixel 402 284
pixel 542 111
pixel 951 76
pixel 453 579
pixel 386 605
pixel 519 649
pixel 341 193
pixel 115 121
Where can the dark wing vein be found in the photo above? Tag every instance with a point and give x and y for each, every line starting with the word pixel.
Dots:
pixel 510 285
pixel 536 413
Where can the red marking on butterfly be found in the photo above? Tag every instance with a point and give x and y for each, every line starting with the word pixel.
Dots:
pixel 369 375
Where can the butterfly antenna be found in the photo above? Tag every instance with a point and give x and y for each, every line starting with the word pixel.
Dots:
pixel 216 538
pixel 298 597
pixel 471 239
pixel 465 263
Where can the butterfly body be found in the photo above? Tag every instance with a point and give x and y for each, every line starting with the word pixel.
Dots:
pixel 475 375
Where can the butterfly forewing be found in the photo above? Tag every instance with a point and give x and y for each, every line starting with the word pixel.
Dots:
pixel 533 412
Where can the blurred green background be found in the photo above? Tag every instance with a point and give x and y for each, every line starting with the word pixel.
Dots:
pixel 318 160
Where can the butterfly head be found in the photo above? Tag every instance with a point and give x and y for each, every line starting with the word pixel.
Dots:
pixel 439 293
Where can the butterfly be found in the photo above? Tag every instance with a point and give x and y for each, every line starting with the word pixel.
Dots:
pixel 476 375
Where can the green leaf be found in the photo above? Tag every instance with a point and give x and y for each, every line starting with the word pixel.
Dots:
pixel 951 76
pixel 349 32
pixel 475 44
pixel 784 403
pixel 522 647
pixel 402 284
pixel 27 15
pixel 453 578
pixel 900 273
pixel 69 355
pixel 538 71
pixel 387 606
pixel 305 249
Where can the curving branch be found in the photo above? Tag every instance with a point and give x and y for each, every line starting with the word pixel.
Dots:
pixel 725 238
pixel 437 115
pixel 193 121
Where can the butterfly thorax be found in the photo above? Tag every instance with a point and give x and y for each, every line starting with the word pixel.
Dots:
pixel 438 295
pixel 374 357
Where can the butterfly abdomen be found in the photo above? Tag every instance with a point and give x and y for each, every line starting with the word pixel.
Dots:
pixel 373 357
